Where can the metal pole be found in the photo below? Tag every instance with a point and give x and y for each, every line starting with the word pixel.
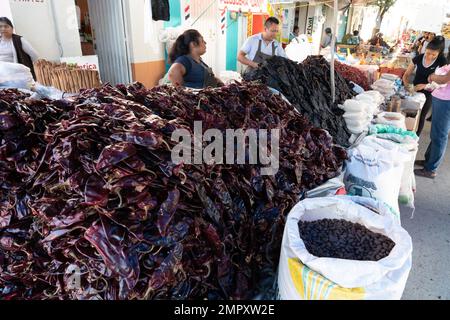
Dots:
pixel 333 50
pixel 203 13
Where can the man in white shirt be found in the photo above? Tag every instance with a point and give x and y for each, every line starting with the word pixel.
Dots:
pixel 260 47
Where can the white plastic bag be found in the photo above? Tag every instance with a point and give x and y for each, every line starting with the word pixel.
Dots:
pixel 44 92
pixel 299 49
pixel 390 77
pixel 303 276
pixel 372 95
pixel 384 84
pixel 358 115
pixel 395 119
pixel 357 122
pixel 385 87
pixel 228 77
pixel 15 75
pixel 354 106
pixel 375 170
pixel 356 88
pixel 414 102
pixel 408 182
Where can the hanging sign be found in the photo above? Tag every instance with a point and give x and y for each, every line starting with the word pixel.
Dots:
pixel 255 6
pixel 281 1
pixel 223 20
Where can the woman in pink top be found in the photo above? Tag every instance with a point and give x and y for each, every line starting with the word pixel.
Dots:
pixel 440 127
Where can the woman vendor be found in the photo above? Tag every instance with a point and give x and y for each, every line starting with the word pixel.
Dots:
pixel 426 65
pixel 188 68
pixel 14 48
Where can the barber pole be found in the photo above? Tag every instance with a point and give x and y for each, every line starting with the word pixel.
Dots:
pixel 223 20
pixel 187 10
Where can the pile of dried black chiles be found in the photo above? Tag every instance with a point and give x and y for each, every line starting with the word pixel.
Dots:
pixel 341 239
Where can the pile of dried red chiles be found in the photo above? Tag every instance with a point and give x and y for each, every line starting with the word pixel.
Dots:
pixel 92 207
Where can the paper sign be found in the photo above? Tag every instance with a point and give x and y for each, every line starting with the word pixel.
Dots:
pixel 83 62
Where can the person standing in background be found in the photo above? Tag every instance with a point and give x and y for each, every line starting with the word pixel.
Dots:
pixel 440 128
pixel 294 34
pixel 429 36
pixel 328 37
pixel 356 38
pixel 379 41
pixel 417 44
pixel 14 48
pixel 262 46
pixel 426 64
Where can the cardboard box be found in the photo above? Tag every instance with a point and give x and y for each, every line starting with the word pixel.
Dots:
pixel 414 102
pixel 412 119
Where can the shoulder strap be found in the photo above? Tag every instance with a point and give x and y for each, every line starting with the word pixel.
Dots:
pixel 260 45
pixel 204 64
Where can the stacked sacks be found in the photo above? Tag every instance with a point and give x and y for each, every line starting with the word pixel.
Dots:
pixel 360 111
pixel 386 87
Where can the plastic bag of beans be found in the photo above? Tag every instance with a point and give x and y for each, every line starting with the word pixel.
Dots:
pixel 304 276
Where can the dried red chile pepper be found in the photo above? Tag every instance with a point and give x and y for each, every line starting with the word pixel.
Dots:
pixel 89 185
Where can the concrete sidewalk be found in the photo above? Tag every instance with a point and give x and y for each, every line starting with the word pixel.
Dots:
pixel 430 230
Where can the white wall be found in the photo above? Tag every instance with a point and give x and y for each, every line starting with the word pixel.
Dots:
pixel 34 21
pixel 369 22
pixel 5 9
pixel 66 23
pixel 142 51
pixel 314 12
pixel 302 20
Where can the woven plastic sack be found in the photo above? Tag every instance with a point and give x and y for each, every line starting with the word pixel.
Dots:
pixel 303 276
pixel 409 141
pixel 375 169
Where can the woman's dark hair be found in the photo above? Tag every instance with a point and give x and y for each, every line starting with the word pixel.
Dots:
pixel 296 28
pixel 182 44
pixel 7 21
pixel 356 33
pixel 437 44
pixel 270 21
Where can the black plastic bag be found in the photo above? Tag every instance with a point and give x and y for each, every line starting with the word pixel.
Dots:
pixel 161 10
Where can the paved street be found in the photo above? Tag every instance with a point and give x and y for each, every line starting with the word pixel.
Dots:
pixel 430 231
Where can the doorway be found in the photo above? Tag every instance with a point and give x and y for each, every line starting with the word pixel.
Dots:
pixel 103 32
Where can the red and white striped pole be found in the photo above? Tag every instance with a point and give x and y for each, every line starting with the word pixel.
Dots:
pixel 187 10
pixel 223 20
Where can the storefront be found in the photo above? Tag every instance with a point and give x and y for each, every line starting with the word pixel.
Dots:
pixel 127 43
